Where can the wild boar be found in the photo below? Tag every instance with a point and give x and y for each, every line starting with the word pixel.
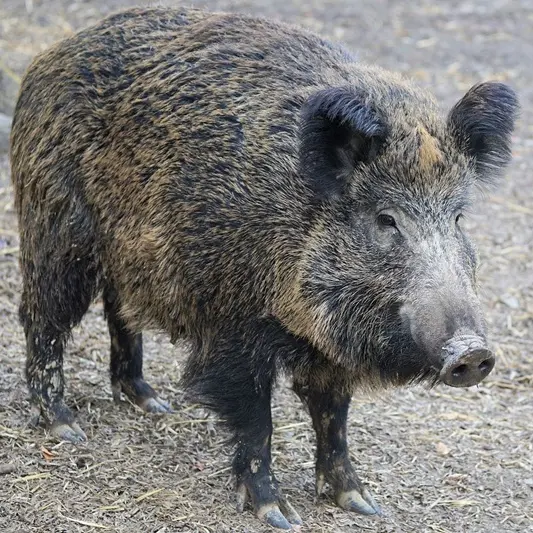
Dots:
pixel 250 187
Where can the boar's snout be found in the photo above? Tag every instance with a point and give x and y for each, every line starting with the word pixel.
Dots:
pixel 466 361
pixel 454 343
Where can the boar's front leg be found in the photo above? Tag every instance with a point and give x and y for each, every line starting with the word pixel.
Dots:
pixel 255 479
pixel 233 374
pixel 126 366
pixel 328 407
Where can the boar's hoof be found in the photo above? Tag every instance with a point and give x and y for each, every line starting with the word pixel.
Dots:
pixel 350 493
pixel 141 394
pixel 155 405
pixel 274 517
pixel 361 503
pixel 272 514
pixel 59 421
pixel 280 515
pixel 69 432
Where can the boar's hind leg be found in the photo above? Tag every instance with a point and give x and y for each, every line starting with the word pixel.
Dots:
pixel 126 367
pixel 235 380
pixel 44 374
pixel 329 411
pixel 56 294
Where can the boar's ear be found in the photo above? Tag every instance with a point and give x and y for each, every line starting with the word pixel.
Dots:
pixel 482 122
pixel 339 131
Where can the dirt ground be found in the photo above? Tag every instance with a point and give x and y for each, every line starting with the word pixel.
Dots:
pixel 446 461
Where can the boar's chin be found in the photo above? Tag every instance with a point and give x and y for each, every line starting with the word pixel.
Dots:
pixel 386 355
pixel 401 362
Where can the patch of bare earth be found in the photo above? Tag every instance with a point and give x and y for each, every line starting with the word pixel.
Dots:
pixel 445 461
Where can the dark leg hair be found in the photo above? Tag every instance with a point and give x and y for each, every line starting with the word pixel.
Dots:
pixel 234 377
pixel 126 366
pixel 54 299
pixel 46 384
pixel 60 278
pixel 328 400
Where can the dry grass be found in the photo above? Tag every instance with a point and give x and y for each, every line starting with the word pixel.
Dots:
pixel 445 461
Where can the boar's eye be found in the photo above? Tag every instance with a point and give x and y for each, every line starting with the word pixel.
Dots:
pixel 386 220
pixel 458 218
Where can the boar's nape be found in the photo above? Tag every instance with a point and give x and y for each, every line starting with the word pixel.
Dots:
pixel 482 122
pixel 340 130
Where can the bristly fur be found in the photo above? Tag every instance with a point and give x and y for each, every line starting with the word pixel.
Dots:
pixel 339 130
pixel 248 186
pixel 483 121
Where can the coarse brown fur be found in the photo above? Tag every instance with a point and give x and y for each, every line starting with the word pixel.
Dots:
pixel 217 177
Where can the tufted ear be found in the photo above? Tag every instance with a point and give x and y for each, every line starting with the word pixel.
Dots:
pixel 339 131
pixel 483 121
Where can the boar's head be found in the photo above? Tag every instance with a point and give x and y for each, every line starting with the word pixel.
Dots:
pixel 387 279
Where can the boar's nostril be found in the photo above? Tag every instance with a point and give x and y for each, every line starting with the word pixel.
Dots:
pixel 484 365
pixel 458 371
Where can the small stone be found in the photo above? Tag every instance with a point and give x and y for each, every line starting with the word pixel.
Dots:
pixel 7 469
pixel 510 301
pixel 426 43
pixel 442 449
